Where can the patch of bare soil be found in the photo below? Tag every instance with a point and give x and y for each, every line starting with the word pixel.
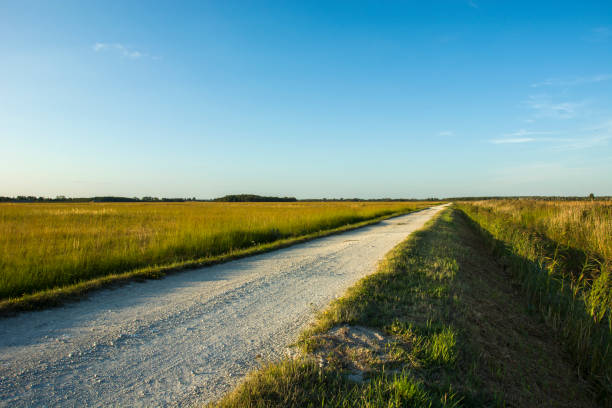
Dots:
pixel 357 349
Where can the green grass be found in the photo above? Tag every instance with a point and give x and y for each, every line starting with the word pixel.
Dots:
pixel 54 252
pixel 438 325
pixel 560 255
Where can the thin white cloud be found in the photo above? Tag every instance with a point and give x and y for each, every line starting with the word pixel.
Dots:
pixel 605 127
pixel 584 142
pixel 446 133
pixel 120 48
pixel 588 138
pixel 557 143
pixel 513 140
pixel 523 132
pixel 520 136
pixel 543 106
pixel 573 81
pixel 595 136
pixel 472 4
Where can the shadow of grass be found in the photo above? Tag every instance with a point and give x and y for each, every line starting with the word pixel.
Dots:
pixel 549 284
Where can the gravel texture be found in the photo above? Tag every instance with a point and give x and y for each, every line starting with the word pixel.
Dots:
pixel 189 337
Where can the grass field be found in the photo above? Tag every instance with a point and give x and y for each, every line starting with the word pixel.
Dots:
pixel 561 255
pixel 583 225
pixel 438 325
pixel 45 246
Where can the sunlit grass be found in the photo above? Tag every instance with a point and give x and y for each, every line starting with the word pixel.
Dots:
pixel 584 225
pixel 50 245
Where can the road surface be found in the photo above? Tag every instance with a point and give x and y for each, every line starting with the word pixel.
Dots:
pixel 189 337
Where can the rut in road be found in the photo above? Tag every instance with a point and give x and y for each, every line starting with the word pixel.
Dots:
pixel 191 336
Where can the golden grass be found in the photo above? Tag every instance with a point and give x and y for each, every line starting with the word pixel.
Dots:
pixel 584 225
pixel 53 245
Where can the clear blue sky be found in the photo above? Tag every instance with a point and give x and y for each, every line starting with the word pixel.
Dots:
pixel 307 99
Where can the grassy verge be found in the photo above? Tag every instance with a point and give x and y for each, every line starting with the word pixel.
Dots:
pixel 438 325
pixel 570 285
pixel 57 296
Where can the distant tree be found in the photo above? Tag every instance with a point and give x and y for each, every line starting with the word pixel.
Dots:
pixel 592 196
pixel 113 199
pixel 243 198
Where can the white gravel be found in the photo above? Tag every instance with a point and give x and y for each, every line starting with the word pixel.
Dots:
pixel 187 338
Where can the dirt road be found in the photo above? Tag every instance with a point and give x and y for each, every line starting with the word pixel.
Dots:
pixel 189 337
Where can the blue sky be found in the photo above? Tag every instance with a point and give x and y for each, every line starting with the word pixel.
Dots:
pixel 307 99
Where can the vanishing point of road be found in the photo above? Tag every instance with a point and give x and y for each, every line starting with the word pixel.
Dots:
pixel 191 336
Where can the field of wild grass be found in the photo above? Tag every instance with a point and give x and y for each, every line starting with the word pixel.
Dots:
pixel 561 252
pixel 584 225
pixel 49 245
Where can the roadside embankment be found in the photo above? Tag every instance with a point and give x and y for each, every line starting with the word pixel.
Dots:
pixel 558 253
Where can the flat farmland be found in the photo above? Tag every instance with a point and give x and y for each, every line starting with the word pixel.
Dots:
pixel 53 245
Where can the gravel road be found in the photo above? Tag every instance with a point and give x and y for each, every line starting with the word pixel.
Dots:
pixel 187 338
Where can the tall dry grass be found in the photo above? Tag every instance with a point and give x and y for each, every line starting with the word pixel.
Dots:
pixel 51 245
pixel 561 252
pixel 584 225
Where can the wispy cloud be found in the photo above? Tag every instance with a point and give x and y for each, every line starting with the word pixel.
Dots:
pixel 513 140
pixel 520 136
pixel 594 136
pixel 583 142
pixel 544 107
pixel 523 132
pixel 472 4
pixel 573 81
pixel 446 133
pixel 119 48
pixel 584 139
pixel 558 143
pixel 604 127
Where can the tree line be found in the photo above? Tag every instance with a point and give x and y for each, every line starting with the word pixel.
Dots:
pixel 104 199
pixel 244 198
